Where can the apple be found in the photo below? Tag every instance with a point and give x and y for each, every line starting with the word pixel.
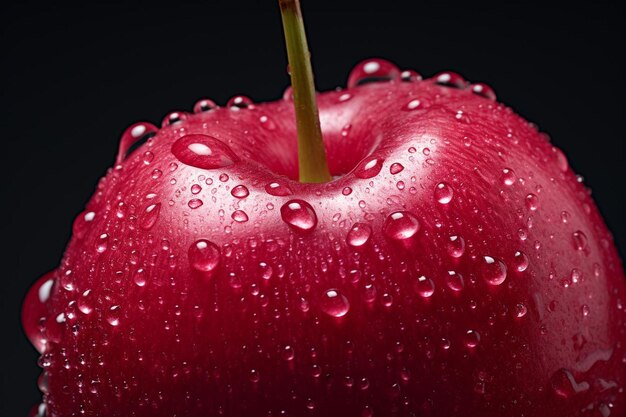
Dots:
pixel 454 266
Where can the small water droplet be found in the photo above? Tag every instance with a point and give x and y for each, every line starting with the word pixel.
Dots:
pixel 334 303
pixel 204 255
pixel 86 302
pixel 240 191
pixel 359 235
pixel 368 167
pixel 202 151
pixel 508 177
pixel 113 315
pixel 450 79
pixel 278 189
pixel 532 202
pixel 580 240
pixel 239 216
pixel 412 105
pixel 204 105
pixel 408 76
pixel 299 215
pixel 443 193
pixel 195 189
pixel 483 90
pixel 492 270
pixel 102 243
pixel 401 225
pixel 288 353
pixel 346 191
pixel 195 203
pixel 520 261
pixel 373 70
pixel 240 102
pixel 150 216
pixel 456 246
pixel 455 281
pixel 471 339
pixel 424 287
pixel 396 168
pixel 520 310
pixel 131 136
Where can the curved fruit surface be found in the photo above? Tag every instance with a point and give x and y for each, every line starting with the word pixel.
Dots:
pixel 454 267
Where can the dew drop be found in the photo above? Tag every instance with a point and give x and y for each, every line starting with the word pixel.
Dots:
pixel 240 191
pixel 86 302
pixel 299 215
pixel 368 167
pixel 401 225
pixel 334 303
pixel 359 235
pixel 113 315
pixel 288 353
pixel 520 261
pixel 471 339
pixel 580 240
pixel 532 202
pixel 139 277
pixel 204 105
pixel 508 177
pixel 195 189
pixel 408 76
pixel 102 243
pixel 520 310
pixel 131 136
pixel 424 287
pixel 82 223
pixel 454 281
pixel 373 70
pixel 456 246
pixel 346 191
pixel 443 193
pixel 278 189
pixel 173 118
pixel 150 216
pixel 450 79
pixel 195 203
pixel 202 151
pixel 239 102
pixel 204 255
pixel 412 105
pixel 239 216
pixel 396 168
pixel 564 384
pixel 492 270
pixel 483 90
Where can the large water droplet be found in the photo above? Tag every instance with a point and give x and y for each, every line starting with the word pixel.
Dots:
pixel 299 215
pixel 455 246
pixel 334 303
pixel 35 308
pixel 368 167
pixel 450 79
pixel 204 105
pixel 204 255
pixel 359 234
pixel 508 177
pixel 373 70
pixel 173 118
pixel 113 315
pixel 239 102
pixel 239 216
pixel 240 191
pixel 454 281
pixel 492 270
pixel 202 151
pixel 520 261
pixel 401 225
pixel 396 168
pixel 443 193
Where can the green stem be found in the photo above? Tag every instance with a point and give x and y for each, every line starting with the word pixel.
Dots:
pixel 311 154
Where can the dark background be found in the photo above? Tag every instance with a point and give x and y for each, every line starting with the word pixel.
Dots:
pixel 75 76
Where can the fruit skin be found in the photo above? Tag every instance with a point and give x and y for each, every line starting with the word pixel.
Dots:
pixel 134 329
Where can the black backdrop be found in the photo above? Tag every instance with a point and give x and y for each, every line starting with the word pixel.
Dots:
pixel 76 76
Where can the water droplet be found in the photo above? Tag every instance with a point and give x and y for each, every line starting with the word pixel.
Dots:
pixel 35 308
pixel 334 303
pixel 240 191
pixel 532 202
pixel 195 189
pixel 508 177
pixel 492 270
pixel 204 255
pixel 346 191
pixel 580 240
pixel 396 168
pixel 131 136
pixel 278 189
pixel 239 216
pixel 471 339
pixel 408 76
pixel 102 243
pixel 369 167
pixel 299 215
pixel 239 102
pixel 204 105
pixel 520 261
pixel 456 246
pixel 564 384
pixel 86 302
pixel 483 90
pixel 412 105
pixel 450 79
pixel 288 353
pixel 173 118
pixel 373 70
pixel 443 193
pixel 424 286
pixel 561 159
pixel 113 315
pixel 82 223
pixel 359 235
pixel 150 216
pixel 194 203
pixel 520 310
pixel 139 277
pixel 455 281
pixel 202 151
pixel 401 225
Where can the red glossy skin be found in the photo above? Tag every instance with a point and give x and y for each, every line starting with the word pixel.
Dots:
pixel 254 337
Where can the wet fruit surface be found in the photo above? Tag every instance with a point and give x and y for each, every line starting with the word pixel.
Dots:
pixel 454 267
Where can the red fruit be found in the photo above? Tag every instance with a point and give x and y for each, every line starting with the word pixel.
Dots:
pixel 454 267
